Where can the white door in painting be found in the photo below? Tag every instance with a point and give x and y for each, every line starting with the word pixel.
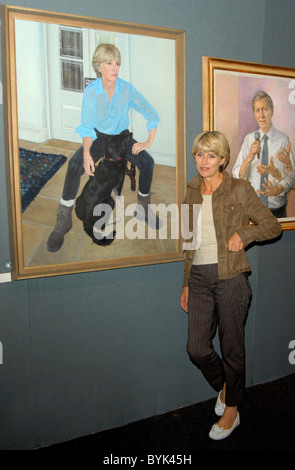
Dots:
pixel 67 56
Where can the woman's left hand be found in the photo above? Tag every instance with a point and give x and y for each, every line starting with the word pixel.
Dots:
pixel 139 146
pixel 235 243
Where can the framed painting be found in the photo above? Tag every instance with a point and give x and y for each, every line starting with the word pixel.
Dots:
pixel 47 58
pixel 228 91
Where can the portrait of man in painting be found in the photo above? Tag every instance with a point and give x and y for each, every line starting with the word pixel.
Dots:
pixel 247 105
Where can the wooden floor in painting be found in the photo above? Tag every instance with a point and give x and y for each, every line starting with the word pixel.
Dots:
pixel 40 217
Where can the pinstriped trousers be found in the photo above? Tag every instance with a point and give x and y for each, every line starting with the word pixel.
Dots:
pixel 214 303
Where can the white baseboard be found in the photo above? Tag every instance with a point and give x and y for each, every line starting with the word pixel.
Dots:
pixel 5 277
pixel 33 135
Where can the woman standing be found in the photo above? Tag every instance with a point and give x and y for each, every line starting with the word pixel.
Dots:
pixel 216 291
pixel 105 107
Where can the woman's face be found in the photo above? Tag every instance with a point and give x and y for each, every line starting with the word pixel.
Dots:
pixel 208 163
pixel 110 70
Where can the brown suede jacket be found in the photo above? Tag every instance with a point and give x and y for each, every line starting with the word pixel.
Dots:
pixel 235 204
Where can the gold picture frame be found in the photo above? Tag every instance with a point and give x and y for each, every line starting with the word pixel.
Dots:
pixel 228 89
pixel 150 45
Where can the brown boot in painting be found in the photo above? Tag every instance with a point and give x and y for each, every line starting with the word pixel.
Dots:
pixel 144 212
pixel 63 226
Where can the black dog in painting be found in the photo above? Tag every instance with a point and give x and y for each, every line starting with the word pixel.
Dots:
pixel 109 176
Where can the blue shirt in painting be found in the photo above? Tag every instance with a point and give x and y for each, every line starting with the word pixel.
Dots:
pixel 112 117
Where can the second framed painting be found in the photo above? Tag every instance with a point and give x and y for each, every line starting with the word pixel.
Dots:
pixel 229 95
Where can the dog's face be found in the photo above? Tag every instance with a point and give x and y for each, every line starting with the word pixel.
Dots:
pixel 116 146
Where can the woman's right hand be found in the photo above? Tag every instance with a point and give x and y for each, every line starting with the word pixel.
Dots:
pixel 88 164
pixel 184 299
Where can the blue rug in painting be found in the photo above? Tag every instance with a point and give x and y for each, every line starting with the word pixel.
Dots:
pixel 35 170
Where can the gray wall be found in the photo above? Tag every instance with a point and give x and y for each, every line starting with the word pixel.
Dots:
pixel 88 352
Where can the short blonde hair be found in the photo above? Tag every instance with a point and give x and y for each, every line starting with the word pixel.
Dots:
pixel 212 141
pixel 104 53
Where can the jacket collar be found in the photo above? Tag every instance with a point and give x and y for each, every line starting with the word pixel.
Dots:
pixel 224 187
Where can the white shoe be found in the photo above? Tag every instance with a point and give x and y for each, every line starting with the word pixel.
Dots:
pixel 219 406
pixel 218 433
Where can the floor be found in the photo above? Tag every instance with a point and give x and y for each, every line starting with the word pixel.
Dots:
pixel 40 217
pixel 267 424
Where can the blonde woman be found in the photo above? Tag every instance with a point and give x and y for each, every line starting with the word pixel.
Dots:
pixel 216 291
pixel 105 107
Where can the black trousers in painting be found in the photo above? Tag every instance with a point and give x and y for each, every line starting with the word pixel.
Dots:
pixel 143 161
pixel 224 304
